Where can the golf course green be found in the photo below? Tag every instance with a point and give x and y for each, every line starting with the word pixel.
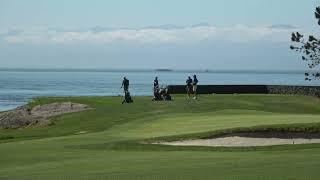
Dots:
pixel 109 140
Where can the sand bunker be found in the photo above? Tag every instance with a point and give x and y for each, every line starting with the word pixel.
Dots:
pixel 40 115
pixel 251 140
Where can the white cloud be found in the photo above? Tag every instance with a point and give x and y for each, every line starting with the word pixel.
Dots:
pixel 238 33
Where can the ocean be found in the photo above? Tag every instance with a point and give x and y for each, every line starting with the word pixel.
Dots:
pixel 17 87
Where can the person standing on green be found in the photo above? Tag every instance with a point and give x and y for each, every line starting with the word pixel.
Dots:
pixel 195 86
pixel 156 83
pixel 189 86
pixel 125 84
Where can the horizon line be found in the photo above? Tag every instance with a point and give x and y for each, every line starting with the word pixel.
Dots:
pixel 19 69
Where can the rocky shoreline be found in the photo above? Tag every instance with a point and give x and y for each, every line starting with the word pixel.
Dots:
pixel 38 115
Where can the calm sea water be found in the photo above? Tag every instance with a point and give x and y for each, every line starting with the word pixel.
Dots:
pixel 18 87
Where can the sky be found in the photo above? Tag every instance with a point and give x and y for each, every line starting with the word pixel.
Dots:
pixel 145 34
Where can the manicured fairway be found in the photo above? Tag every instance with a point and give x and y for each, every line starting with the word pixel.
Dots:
pixel 103 143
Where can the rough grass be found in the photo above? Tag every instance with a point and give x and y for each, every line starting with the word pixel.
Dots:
pixel 103 143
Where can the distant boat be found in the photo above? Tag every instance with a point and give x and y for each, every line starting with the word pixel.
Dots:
pixel 163 70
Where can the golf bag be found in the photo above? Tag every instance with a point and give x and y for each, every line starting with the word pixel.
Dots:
pixel 161 94
pixel 127 98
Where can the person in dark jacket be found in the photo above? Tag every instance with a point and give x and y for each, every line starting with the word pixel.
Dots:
pixel 125 84
pixel 195 86
pixel 156 83
pixel 189 86
pixel 156 90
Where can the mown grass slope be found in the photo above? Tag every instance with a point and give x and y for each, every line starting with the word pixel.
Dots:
pixel 102 143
